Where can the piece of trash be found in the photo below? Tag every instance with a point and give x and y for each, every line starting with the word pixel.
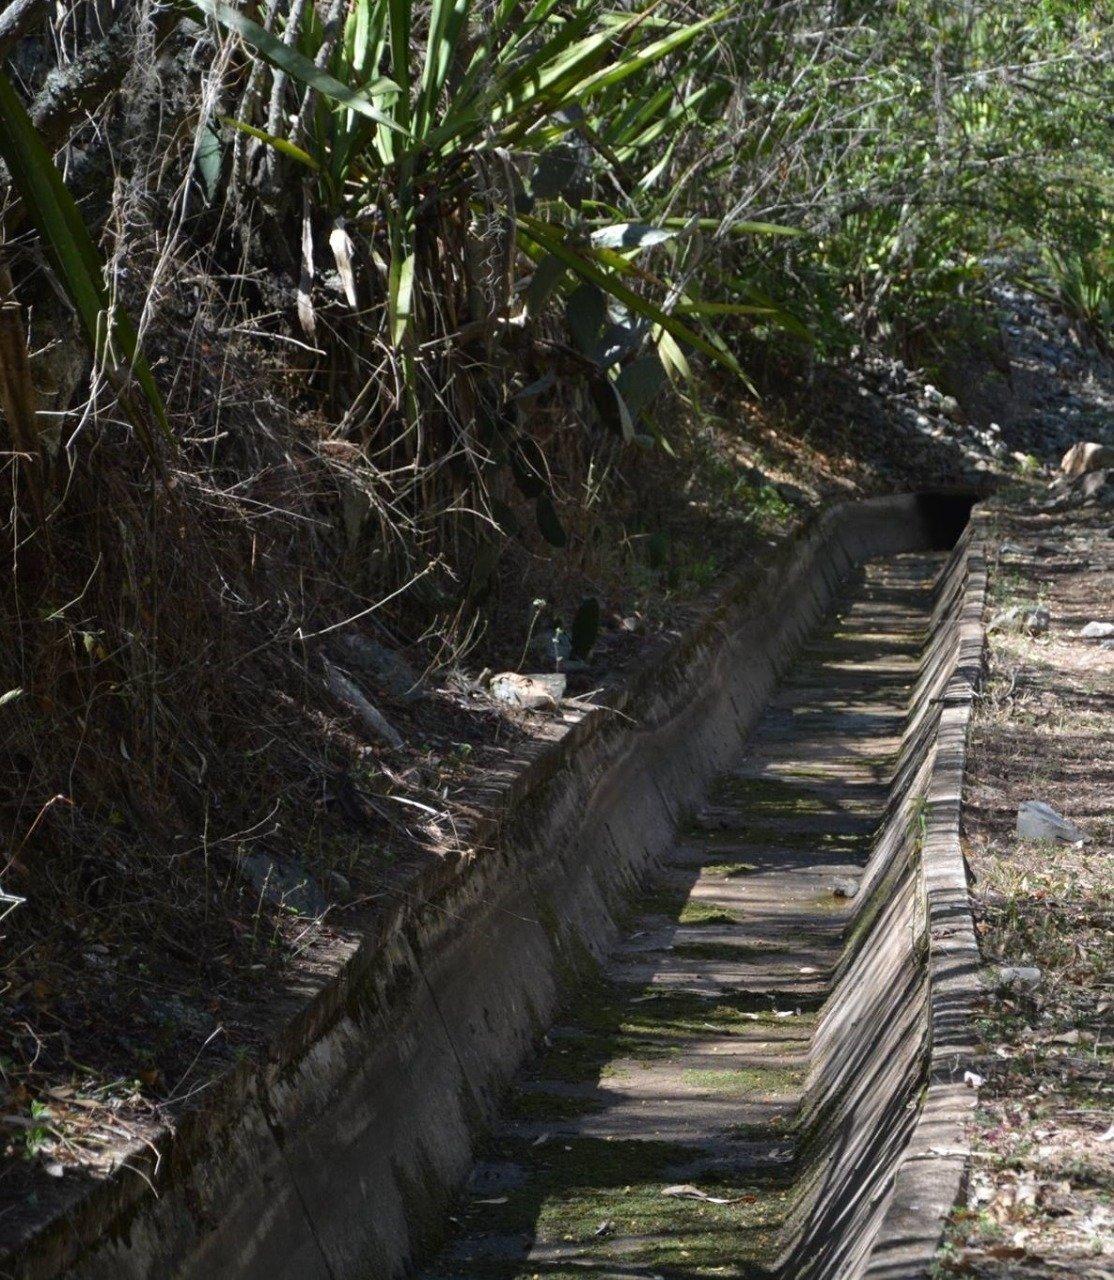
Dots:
pixel 973 1080
pixel 686 1191
pixel 845 887
pixel 492 1200
pixel 528 692
pixel 1108 1136
pixel 605 1228
pixel 54 1169
pixel 540 1140
pixel 1039 821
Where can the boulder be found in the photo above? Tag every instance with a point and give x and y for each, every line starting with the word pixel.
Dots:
pixel 388 669
pixel 284 883
pixel 1086 455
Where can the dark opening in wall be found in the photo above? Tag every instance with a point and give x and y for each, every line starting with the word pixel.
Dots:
pixel 945 514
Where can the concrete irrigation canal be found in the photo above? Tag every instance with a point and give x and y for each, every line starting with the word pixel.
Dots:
pixel 667 1128
pixel 695 995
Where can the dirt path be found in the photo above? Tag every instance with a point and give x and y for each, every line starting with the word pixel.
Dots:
pixel 1041 1194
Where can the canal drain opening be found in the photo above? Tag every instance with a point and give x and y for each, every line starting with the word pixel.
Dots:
pixel 946 514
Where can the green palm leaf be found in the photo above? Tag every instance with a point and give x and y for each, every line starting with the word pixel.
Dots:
pixel 272 50
pixel 74 257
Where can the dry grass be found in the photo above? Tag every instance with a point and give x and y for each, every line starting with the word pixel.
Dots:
pixel 169 726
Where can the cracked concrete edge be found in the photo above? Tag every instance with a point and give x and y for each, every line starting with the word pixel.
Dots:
pixel 335 1155
pixel 933 1170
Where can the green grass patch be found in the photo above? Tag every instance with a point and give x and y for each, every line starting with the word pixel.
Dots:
pixel 745 835
pixel 706 913
pixel 769 796
pixel 573 1187
pixel 747 1081
pixel 729 870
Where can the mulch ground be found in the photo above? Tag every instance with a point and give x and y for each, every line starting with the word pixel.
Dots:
pixel 1040 1200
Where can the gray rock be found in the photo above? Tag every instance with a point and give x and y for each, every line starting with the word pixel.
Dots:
pixel 1097 630
pixel 1019 978
pixel 1039 821
pixel 1095 486
pixel 553 646
pixel 1092 486
pixel 1034 621
pixel 285 883
pixel 1037 621
pixel 340 885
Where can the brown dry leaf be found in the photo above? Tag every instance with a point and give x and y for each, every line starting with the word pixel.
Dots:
pixel 1068 1037
pixel 1005 1251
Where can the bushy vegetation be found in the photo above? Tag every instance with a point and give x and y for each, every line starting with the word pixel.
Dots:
pixel 467 204
pixel 330 310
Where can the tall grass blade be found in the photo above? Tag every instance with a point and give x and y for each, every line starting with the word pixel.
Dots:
pixel 295 64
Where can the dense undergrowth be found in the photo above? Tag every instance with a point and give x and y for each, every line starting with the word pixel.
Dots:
pixel 404 320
